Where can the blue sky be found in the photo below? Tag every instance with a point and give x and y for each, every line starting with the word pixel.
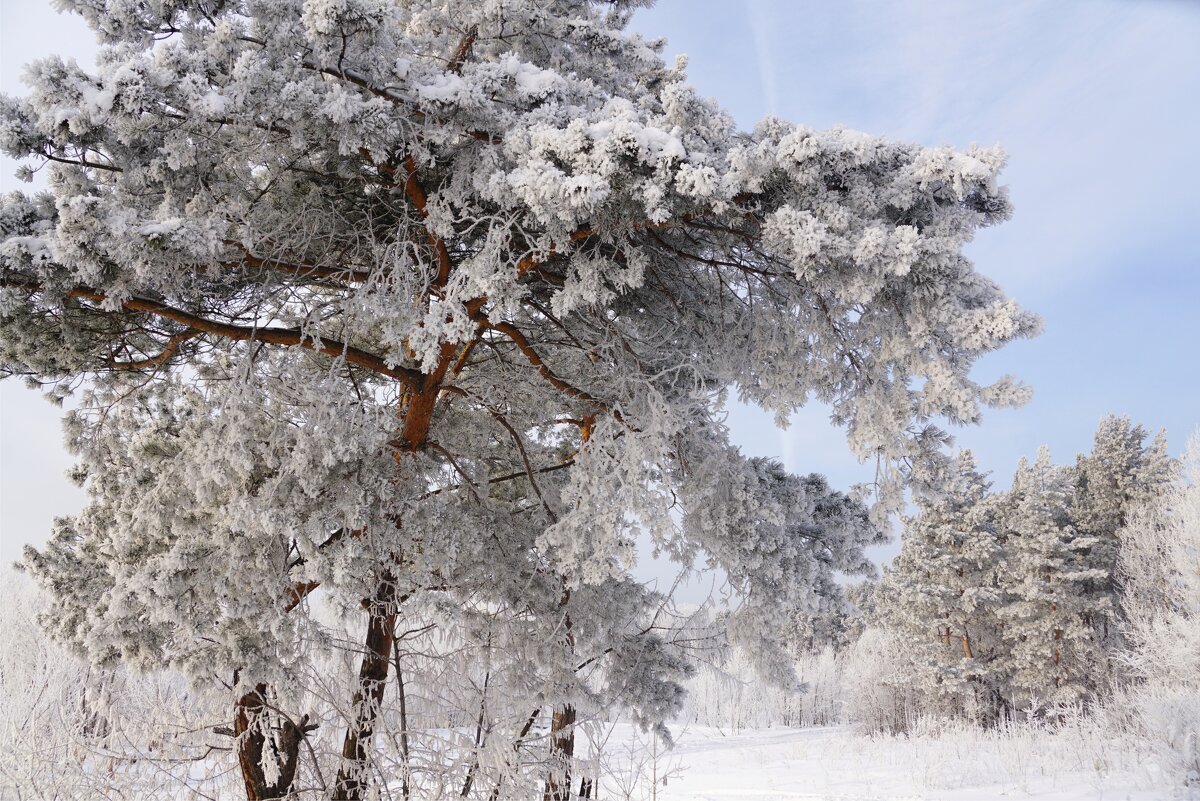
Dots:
pixel 1097 103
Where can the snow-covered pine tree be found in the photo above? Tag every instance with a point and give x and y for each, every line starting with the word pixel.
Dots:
pixel 348 264
pixel 1044 553
pixel 810 630
pixel 942 594
pixel 1052 650
pixel 1122 472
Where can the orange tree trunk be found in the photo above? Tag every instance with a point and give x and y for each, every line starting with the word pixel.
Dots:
pixel 352 779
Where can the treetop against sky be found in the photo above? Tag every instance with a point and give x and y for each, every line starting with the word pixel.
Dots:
pixel 1093 103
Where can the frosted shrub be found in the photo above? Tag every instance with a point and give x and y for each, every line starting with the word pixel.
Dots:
pixel 1160 569
pixel 1169 717
pixel 822 702
pixel 879 694
pixel 68 730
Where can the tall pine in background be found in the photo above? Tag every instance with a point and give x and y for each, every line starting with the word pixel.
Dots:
pixel 1050 648
pixel 1121 473
pixel 943 591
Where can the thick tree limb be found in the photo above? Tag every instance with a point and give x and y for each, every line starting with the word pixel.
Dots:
pixel 292 337
pixel 535 359
pixel 463 50
pixel 303 270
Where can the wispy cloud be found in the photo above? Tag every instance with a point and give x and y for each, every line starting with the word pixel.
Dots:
pixel 1095 103
pixel 760 13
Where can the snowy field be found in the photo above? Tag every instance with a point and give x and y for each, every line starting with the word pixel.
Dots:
pixel 780 764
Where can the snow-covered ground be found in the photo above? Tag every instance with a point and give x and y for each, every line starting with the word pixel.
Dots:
pixel 781 764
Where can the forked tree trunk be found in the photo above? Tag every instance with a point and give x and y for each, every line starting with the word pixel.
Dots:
pixel 252 728
pixel 352 780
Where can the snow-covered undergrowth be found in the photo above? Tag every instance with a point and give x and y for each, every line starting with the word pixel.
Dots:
pixel 50 747
pixel 70 731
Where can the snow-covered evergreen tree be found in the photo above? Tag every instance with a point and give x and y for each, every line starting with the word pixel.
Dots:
pixel 1032 570
pixel 1052 650
pixel 1122 472
pixel 943 593
pixel 810 631
pixel 1068 530
pixel 336 269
